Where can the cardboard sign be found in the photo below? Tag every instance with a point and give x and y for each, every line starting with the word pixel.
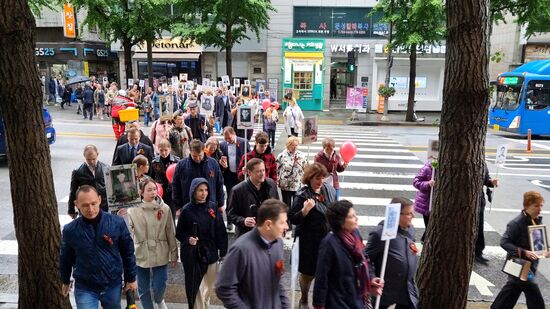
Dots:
pixel 391 221
pixel 502 151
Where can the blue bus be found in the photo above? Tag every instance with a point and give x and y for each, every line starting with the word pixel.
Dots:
pixel 522 100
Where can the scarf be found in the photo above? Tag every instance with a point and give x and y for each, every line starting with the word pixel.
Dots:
pixel 355 247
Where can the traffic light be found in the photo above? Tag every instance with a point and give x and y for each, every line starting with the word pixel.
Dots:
pixel 351 60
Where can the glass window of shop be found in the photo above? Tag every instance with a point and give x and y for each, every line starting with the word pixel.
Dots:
pixel 169 69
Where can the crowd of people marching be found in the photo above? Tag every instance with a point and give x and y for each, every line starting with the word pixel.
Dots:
pixel 182 169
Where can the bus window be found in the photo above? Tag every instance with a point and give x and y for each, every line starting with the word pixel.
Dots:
pixel 508 97
pixel 538 95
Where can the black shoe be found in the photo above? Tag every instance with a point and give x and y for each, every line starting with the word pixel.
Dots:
pixel 481 259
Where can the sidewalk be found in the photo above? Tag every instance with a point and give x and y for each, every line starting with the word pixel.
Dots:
pixel 344 116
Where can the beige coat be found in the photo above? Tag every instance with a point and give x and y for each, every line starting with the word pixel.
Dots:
pixel 154 234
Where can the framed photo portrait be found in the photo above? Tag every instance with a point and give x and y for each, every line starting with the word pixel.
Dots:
pixel 166 104
pixel 207 105
pixel 122 186
pixel 245 91
pixel 244 117
pixel 538 239
pixel 206 82
pixel 226 81
pixel 236 82
pixel 309 130
pixel 213 84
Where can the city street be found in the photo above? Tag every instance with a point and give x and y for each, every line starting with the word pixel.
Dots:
pixel 388 158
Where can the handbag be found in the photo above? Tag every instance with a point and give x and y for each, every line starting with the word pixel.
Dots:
pixel 517 267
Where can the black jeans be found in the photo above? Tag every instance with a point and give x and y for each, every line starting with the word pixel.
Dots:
pixel 271 134
pixel 88 108
pixel 508 296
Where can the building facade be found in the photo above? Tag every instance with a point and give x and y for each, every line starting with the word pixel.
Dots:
pixel 58 56
pixel 515 48
pixel 318 77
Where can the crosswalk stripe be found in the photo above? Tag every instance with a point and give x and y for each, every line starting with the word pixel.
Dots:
pixel 359 149
pixel 386 157
pixel 376 186
pixel 388 165
pixel 376 175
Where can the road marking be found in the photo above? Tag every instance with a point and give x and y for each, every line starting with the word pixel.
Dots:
pixel 525 175
pixel 376 186
pixel 82 134
pixel 534 144
pixel 418 223
pixel 319 147
pixel 390 165
pixel 539 183
pixel 387 157
pixel 481 284
pixel 357 141
pixel 64 200
pixel 376 175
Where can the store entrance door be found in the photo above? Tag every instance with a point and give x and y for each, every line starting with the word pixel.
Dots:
pixel 340 79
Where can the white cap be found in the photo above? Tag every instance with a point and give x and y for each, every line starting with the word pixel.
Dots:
pixel 122 93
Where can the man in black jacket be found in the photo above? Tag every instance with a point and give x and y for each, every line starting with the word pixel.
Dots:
pixel 143 138
pixel 89 173
pixel 125 153
pixel 480 241
pixel 247 196
pixel 88 101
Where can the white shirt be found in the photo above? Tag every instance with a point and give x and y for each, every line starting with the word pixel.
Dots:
pixel 232 154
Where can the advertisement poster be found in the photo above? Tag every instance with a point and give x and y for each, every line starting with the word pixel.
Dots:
pixel 354 98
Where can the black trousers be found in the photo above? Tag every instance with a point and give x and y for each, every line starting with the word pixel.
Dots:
pixel 426 220
pixel 230 180
pixel 293 132
pixel 88 108
pixel 480 241
pixel 508 296
pixel 288 198
pixel 271 134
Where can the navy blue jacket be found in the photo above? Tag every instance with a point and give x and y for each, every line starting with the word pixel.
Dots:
pixel 187 170
pixel 210 228
pixel 99 257
pixel 243 147
pixel 88 96
pixel 335 286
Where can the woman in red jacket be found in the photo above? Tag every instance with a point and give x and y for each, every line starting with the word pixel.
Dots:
pixel 333 162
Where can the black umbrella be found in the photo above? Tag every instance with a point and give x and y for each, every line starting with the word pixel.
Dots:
pixel 78 80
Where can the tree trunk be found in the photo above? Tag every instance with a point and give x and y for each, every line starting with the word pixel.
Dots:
pixel 388 69
pixel 150 63
pixel 412 85
pixel 127 45
pixel 35 211
pixel 452 228
pixel 228 49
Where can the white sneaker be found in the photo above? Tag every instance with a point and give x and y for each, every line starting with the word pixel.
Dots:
pixel 161 305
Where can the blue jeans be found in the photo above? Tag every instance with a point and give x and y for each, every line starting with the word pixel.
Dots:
pixel 146 286
pixel 146 118
pixel 337 194
pixel 109 298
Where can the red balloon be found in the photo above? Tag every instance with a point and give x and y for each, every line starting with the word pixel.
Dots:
pixel 348 150
pixel 160 191
pixel 170 172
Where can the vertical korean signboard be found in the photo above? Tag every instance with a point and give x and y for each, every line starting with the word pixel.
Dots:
pixel 69 21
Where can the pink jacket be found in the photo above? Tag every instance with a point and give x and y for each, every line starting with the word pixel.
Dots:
pixel 159 130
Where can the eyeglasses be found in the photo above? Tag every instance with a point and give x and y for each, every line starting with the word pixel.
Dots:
pixel 407 213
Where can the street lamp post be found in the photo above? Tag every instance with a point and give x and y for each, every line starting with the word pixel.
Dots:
pixel 389 63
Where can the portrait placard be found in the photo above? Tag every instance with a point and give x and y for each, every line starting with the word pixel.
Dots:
pixel 207 105
pixel 247 82
pixel 183 76
pixel 226 81
pixel 433 149
pixel 538 240
pixel 205 82
pixel 245 91
pixel 236 82
pixel 164 87
pixel 309 130
pixel 122 186
pixel 213 84
pixel 502 151
pixel 166 104
pixel 130 82
pixel 141 83
pixel 220 85
pixel 244 117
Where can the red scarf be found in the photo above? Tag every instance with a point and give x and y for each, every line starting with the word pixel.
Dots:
pixel 355 247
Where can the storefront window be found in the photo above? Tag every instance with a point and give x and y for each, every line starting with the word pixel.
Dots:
pixel 303 80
